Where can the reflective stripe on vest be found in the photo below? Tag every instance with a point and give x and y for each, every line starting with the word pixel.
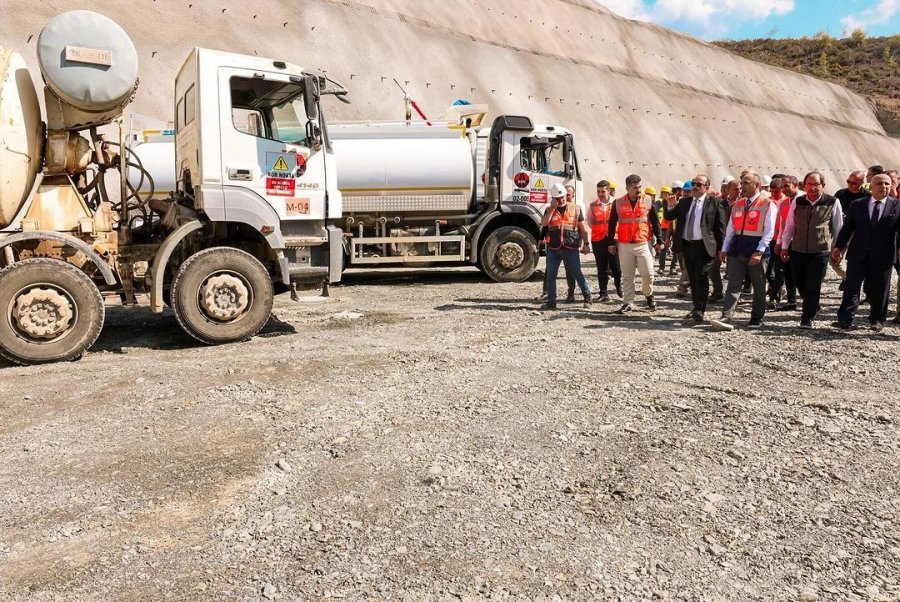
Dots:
pixel 600 213
pixel 567 224
pixel 633 224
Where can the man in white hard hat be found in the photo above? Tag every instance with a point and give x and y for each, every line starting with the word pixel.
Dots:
pixel 567 233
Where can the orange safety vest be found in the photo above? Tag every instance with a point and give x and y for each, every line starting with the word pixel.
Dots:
pixel 750 221
pixel 563 227
pixel 633 224
pixel 600 213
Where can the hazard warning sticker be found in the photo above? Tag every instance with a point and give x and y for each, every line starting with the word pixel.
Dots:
pixel 298 206
pixel 539 183
pixel 281 165
pixel 280 186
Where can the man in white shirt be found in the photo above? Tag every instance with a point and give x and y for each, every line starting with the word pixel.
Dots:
pixel 812 226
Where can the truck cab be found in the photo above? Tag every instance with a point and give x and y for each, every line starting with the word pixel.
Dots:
pixel 252 153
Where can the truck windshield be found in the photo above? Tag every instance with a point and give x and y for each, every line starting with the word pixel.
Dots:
pixel 269 109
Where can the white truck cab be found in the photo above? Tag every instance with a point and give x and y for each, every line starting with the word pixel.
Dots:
pixel 251 149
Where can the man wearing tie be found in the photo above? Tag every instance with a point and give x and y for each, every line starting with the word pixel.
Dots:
pixel 871 229
pixel 700 223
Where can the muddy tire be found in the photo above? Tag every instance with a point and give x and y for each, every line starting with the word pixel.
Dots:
pixel 51 311
pixel 222 295
pixel 509 254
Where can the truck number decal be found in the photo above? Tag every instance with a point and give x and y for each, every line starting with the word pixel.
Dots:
pixel 297 206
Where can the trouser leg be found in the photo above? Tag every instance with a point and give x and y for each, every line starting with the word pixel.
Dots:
pixel 697 264
pixel 850 301
pixel 684 282
pixel 736 271
pixel 790 283
pixel 570 283
pixel 628 263
pixel 616 272
pixel 644 259
pixel 573 266
pixel 777 269
pixel 879 291
pixel 715 277
pixel 813 266
pixel 601 258
pixel 554 258
pixel 758 282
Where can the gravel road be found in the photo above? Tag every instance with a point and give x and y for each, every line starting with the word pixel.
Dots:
pixel 431 436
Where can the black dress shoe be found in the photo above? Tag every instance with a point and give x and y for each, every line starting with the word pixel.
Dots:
pixel 877 326
pixel 789 306
pixel 842 325
pixel 896 319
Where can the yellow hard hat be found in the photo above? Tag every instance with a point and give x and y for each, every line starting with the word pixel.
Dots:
pixel 612 185
pixel 665 190
pixel 649 190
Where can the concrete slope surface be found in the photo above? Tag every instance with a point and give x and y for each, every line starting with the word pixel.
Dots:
pixel 639 97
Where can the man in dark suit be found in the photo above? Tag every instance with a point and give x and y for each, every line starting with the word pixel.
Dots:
pixel 700 224
pixel 871 229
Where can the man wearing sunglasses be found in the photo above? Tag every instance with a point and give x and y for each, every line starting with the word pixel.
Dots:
pixel 700 224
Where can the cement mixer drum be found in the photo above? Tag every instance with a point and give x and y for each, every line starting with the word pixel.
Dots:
pixel 21 134
pixel 88 61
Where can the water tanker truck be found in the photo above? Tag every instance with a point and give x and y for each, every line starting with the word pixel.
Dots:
pixel 258 205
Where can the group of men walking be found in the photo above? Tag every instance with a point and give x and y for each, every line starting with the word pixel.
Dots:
pixel 775 236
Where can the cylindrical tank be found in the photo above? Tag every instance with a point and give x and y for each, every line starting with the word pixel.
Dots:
pixel 21 134
pixel 88 61
pixel 403 169
pixel 158 159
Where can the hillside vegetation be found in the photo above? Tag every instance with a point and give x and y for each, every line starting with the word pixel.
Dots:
pixel 863 64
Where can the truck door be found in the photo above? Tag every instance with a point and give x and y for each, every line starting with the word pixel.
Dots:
pixel 269 146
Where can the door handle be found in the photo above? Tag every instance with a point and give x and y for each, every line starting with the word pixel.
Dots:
pixel 240 174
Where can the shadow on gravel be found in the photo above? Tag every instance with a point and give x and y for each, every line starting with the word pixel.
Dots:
pixel 138 327
pixel 494 305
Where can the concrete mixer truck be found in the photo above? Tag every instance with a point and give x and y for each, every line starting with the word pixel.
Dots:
pixel 73 232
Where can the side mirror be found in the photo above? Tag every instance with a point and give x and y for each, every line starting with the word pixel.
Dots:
pixel 567 148
pixel 311 96
pixel 254 124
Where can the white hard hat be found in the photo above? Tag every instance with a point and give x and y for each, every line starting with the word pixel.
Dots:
pixel 766 181
pixel 557 190
pixel 728 179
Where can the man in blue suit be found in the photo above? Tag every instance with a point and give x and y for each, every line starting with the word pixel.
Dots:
pixel 872 230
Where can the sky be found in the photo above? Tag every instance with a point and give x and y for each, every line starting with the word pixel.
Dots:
pixel 743 19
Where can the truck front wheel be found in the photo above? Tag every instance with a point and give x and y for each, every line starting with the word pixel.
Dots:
pixel 509 254
pixel 222 295
pixel 52 311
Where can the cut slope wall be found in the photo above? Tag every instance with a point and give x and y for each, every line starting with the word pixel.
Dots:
pixel 639 97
